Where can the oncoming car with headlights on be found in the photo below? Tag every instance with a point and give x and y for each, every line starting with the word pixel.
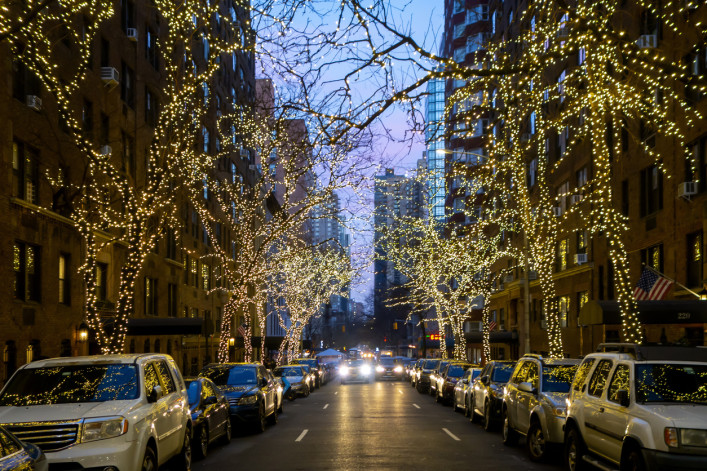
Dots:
pixel 356 370
pixel 388 368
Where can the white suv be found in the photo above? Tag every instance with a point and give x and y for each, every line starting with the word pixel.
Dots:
pixel 109 412
pixel 639 408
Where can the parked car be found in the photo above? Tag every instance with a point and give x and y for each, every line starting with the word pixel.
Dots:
pixel 424 376
pixel 16 455
pixel 415 371
pixel 462 389
pixel 436 377
pixel 313 368
pixel 534 403
pixel 251 394
pixel 486 395
pixel 309 376
pixel 278 390
pixel 640 408
pixel 388 368
pixel 297 377
pixel 356 370
pixel 452 373
pixel 121 411
pixel 211 420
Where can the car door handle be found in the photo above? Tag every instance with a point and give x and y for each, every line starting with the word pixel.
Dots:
pixel 601 409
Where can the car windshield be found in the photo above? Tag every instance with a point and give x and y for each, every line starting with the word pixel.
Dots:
pixel 233 376
pixel 456 371
pixel 671 383
pixel 71 384
pixel 386 362
pixel 193 392
pixel 285 371
pixel 311 362
pixel 475 374
pixel 557 378
pixel 431 364
pixel 502 373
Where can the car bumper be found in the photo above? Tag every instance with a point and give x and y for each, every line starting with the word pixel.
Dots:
pixel 245 413
pixel 118 452
pixel 658 460
pixel 555 429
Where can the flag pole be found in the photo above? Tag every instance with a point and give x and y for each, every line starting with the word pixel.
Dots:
pixel 673 280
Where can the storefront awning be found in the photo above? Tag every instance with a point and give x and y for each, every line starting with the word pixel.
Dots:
pixel 166 326
pixel 649 312
pixel 494 337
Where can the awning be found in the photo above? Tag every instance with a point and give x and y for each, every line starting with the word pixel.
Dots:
pixel 494 337
pixel 649 312
pixel 165 326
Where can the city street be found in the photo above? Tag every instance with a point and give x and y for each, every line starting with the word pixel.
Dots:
pixel 377 426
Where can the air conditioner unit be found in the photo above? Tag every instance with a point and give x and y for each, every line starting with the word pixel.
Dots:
pixel 109 75
pixel 647 41
pixel 131 33
pixel 475 326
pixel 508 279
pixel 532 275
pixel 580 258
pixel 34 102
pixel 557 211
pixel 105 150
pixel 574 199
pixel 563 32
pixel 687 189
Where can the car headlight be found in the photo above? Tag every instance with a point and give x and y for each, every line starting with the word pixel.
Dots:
pixel 398 369
pixel 365 369
pixel 693 437
pixel 103 427
pixel 344 370
pixel 245 400
pixel 380 369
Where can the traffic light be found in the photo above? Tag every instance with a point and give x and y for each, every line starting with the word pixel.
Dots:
pixel 395 326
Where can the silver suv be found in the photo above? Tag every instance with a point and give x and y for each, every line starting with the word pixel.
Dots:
pixel 534 403
pixel 639 408
pixel 108 412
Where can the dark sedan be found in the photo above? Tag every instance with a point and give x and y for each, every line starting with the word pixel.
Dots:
pixel 209 414
pixel 423 379
pixel 388 368
pixel 486 397
pixel 251 393
pixel 452 373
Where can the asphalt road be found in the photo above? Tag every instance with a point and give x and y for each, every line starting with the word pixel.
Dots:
pixel 376 426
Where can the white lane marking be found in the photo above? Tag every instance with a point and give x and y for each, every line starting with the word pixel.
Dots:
pixel 451 435
pixel 301 435
pixel 416 406
pixel 326 405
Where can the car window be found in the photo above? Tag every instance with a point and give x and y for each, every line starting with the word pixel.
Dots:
pixel 208 390
pixel 582 373
pixel 620 380
pixel 486 370
pixel 502 373
pixel 8 446
pixel 598 379
pixel 150 378
pixel 672 382
pixel 521 372
pixel 533 374
pixel 467 374
pixel 558 378
pixel 165 377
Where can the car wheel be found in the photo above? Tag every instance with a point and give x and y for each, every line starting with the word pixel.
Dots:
pixel 473 416
pixel 510 436
pixel 574 450
pixel 227 433
pixel 182 462
pixel 306 391
pixel 535 442
pixel 149 461
pixel 634 461
pixel 438 398
pixel 489 424
pixel 201 443
pixel 454 404
pixel 279 409
pixel 259 424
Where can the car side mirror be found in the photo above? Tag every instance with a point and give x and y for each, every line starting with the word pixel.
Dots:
pixel 264 382
pixel 527 387
pixel 210 400
pixel 623 397
pixel 155 394
pixel 484 380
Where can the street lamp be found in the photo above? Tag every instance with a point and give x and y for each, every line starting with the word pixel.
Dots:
pixel 82 332
pixel 231 342
pixel 703 294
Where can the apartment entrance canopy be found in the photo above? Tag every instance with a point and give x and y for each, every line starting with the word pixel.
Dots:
pixel 166 326
pixel 649 312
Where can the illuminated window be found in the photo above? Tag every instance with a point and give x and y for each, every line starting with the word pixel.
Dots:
pixel 25 172
pixel 150 296
pixel 64 279
pixel 27 267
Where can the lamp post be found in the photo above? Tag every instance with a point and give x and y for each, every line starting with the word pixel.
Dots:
pixel 703 294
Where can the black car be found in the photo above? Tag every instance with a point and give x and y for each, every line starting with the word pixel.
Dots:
pixel 423 380
pixel 251 393
pixel 209 414
pixel 415 370
pixel 486 398
pixel 436 376
pixel 452 373
pixel 388 368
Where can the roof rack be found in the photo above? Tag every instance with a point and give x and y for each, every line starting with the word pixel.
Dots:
pixel 533 355
pixel 656 352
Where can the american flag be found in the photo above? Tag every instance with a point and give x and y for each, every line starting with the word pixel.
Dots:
pixel 492 326
pixel 651 286
pixel 241 329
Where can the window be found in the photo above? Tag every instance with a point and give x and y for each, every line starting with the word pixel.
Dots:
pixel 696 164
pixel 581 56
pixel 127 14
pixel 598 379
pixel 459 54
pixel 582 373
pixel 205 138
pixel 459 30
pixel 582 241
pixel 563 254
pixel 563 309
pixel 458 6
pixel 651 190
pixel 533 375
pixel 694 259
pixel 171 242
pixel 477 13
pixel 653 257
pixel 582 299
pixel 621 380
pixel 172 300
pixel 24 82
pixel 151 108
pixel 165 375
pixel 151 379
pixel 521 373
pixel 25 172
pixel 151 48
pixel 532 172
pixel 101 281
pixel 64 279
pixel 27 266
pixel 582 176
pixel 206 276
pixel 150 296
pixel 561 85
pixel 194 272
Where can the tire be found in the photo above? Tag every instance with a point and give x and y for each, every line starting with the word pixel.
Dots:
pixel 259 424
pixel 306 391
pixel 201 448
pixel 509 435
pixel 182 462
pixel 227 434
pixel 279 409
pixel 466 407
pixel 536 443
pixel 149 460
pixel 574 450
pixel 489 424
pixel 473 416
pixel 633 461
pixel 438 398
pixel 454 404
